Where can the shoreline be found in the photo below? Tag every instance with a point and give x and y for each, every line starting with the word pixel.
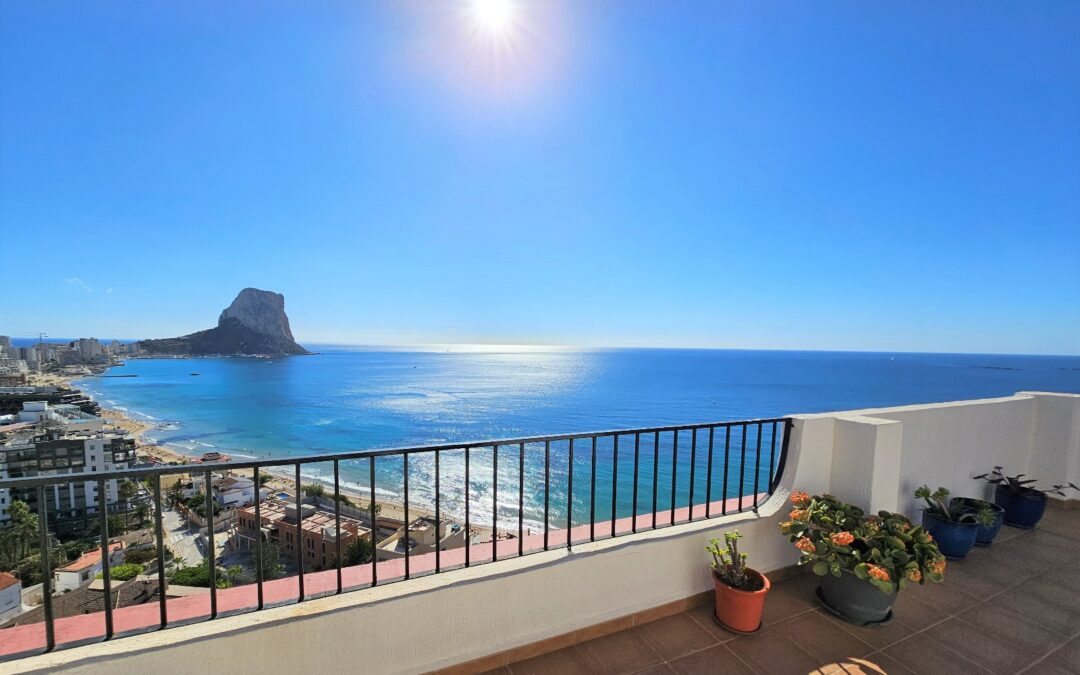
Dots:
pixel 281 478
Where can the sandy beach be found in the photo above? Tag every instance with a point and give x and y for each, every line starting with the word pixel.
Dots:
pixel 281 479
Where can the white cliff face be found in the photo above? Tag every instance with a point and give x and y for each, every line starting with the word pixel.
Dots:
pixel 261 311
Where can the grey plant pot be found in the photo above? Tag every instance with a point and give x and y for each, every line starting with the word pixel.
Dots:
pixel 854 600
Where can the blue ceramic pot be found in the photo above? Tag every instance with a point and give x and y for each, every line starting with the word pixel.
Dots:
pixel 985 534
pixel 1021 509
pixel 952 538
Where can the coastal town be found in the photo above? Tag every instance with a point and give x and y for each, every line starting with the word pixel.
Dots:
pixel 261 525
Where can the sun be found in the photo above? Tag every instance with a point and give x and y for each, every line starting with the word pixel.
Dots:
pixel 495 16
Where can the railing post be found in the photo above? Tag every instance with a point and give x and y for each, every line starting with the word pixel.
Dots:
pixel 46 573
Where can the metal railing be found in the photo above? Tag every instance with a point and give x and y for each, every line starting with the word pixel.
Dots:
pixel 672 475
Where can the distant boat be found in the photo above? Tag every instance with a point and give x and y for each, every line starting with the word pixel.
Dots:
pixel 194 374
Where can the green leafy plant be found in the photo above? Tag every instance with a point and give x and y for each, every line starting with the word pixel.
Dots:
pixel 123 572
pixel 730 565
pixel 1019 485
pixel 937 504
pixel 887 550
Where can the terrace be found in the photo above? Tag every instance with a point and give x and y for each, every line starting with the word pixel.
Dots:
pixel 626 588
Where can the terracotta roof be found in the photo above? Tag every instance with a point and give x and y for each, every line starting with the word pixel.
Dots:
pixel 89 559
pixel 7 580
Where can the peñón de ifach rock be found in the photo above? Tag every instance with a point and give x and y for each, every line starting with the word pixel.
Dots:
pixel 254 324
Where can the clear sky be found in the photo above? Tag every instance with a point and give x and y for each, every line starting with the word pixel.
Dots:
pixel 883 176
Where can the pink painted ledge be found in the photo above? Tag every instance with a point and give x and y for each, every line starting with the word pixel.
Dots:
pixel 141 618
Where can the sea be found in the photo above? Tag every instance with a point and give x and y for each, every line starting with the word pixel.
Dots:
pixel 348 398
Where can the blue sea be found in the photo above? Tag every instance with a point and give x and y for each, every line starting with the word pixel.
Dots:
pixel 352 398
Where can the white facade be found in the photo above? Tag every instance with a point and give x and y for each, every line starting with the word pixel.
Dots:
pixel 10 596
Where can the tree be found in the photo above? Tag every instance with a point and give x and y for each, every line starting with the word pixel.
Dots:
pixel 271 567
pixel 142 514
pixel 344 500
pixel 358 552
pixel 314 490
pixel 127 489
pixel 264 478
pixel 234 574
pixel 18 539
pixel 175 492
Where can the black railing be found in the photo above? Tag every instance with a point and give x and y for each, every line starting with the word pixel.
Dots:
pixel 660 487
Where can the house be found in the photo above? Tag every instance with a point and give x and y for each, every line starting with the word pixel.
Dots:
pixel 234 491
pixel 279 526
pixel 82 571
pixel 89 600
pixel 10 596
pixel 422 537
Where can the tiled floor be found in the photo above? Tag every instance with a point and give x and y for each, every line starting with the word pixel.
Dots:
pixel 1010 608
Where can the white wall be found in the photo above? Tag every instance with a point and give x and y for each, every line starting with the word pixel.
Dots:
pixel 874 457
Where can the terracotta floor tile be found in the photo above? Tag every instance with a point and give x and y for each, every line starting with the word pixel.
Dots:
pixel 658 669
pixel 923 655
pixel 717 659
pixel 886 664
pixel 878 637
pixel 979 646
pixel 567 660
pixel 802 586
pixel 1047 668
pixel 771 652
pixel 1024 634
pixel 968 580
pixel 944 599
pixel 1050 591
pixel 820 639
pixel 622 652
pixel 781 605
pixel 1068 657
pixel 1038 612
pixel 914 613
pixel 676 636
pixel 703 616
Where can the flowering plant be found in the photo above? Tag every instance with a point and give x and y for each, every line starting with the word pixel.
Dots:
pixel 886 549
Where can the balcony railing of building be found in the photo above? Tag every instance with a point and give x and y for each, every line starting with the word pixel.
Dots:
pixel 500 498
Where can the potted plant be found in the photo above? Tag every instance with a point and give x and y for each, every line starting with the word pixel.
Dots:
pixel 740 591
pixel 984 535
pixel 863 561
pixel 954 530
pixel 1024 503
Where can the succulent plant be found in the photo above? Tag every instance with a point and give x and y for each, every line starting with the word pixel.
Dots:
pixel 729 564
pixel 937 504
pixel 1018 485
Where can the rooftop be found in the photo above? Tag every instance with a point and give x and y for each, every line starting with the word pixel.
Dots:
pixel 7 580
pixel 992 614
pixel 89 559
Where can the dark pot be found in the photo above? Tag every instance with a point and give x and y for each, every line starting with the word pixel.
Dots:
pixel 985 534
pixel 1021 509
pixel 952 538
pixel 854 600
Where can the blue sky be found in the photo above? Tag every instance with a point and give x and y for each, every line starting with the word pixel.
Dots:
pixel 884 176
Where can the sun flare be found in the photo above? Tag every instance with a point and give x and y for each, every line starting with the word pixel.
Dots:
pixel 495 16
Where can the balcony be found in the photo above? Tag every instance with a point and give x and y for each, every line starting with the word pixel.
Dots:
pixel 624 586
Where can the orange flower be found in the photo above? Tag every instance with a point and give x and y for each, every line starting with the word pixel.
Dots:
pixel 797 514
pixel 786 526
pixel 938 566
pixel 805 545
pixel 799 498
pixel 929 537
pixel 878 572
pixel 842 538
pixel 904 527
pixel 913 574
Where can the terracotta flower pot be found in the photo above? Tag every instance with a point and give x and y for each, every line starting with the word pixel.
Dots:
pixel 740 611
